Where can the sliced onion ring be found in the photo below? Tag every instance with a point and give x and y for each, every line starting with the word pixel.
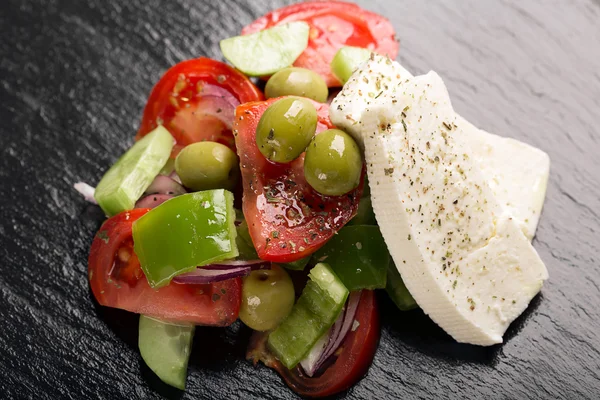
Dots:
pixel 217 107
pixel 253 264
pixel 86 191
pixel 337 334
pixel 165 185
pixel 152 200
pixel 202 275
pixel 221 271
pixel 173 175
pixel 213 90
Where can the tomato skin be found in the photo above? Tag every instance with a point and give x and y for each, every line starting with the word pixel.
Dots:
pixel 353 362
pixel 182 86
pixel 333 24
pixel 119 282
pixel 287 219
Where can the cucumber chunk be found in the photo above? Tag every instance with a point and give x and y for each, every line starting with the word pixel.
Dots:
pixel 124 183
pixel 346 60
pixel 313 314
pixel 165 348
pixel 266 52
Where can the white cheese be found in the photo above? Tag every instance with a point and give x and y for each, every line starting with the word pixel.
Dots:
pixel 516 172
pixel 462 256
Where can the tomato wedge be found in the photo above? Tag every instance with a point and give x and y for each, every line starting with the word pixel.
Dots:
pixel 287 219
pixel 195 101
pixel 117 280
pixel 354 358
pixel 333 24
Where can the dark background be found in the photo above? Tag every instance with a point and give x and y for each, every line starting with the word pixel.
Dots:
pixel 74 77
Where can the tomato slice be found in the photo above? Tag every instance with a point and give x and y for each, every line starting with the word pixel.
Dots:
pixel 333 24
pixel 195 100
pixel 354 357
pixel 287 219
pixel 117 280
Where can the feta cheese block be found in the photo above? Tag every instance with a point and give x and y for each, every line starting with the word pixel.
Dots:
pixel 460 252
pixel 516 172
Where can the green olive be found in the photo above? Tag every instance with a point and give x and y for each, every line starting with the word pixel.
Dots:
pixel 285 129
pixel 267 298
pixel 333 163
pixel 207 165
pixel 297 82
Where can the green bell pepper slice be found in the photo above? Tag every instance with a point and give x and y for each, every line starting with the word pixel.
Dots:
pixel 185 232
pixel 358 255
pixel 397 290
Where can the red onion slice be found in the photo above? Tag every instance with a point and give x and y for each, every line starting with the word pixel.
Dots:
pixel 217 91
pixel 86 191
pixel 152 200
pixel 202 275
pixel 217 107
pixel 165 185
pixel 252 264
pixel 337 334
pixel 173 175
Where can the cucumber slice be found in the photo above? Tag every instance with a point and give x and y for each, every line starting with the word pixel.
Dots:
pixel 266 52
pixel 313 314
pixel 165 348
pixel 124 183
pixel 397 290
pixel 346 60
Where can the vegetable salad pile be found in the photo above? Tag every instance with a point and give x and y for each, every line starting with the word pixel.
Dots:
pixel 232 206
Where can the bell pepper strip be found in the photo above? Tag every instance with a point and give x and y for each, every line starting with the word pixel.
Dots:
pixel 358 256
pixel 354 356
pixel 313 314
pixel 165 347
pixel 124 183
pixel 287 219
pixel 397 290
pixel 185 232
pixel 117 280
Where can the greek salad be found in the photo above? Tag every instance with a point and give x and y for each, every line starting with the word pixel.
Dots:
pixel 288 207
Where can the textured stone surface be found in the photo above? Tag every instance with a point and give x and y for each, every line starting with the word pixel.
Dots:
pixel 74 76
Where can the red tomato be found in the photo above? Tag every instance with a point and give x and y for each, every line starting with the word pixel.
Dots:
pixel 287 218
pixel 333 24
pixel 117 280
pixel 353 361
pixel 195 100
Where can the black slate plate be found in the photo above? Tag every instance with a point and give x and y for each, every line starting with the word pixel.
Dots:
pixel 74 76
